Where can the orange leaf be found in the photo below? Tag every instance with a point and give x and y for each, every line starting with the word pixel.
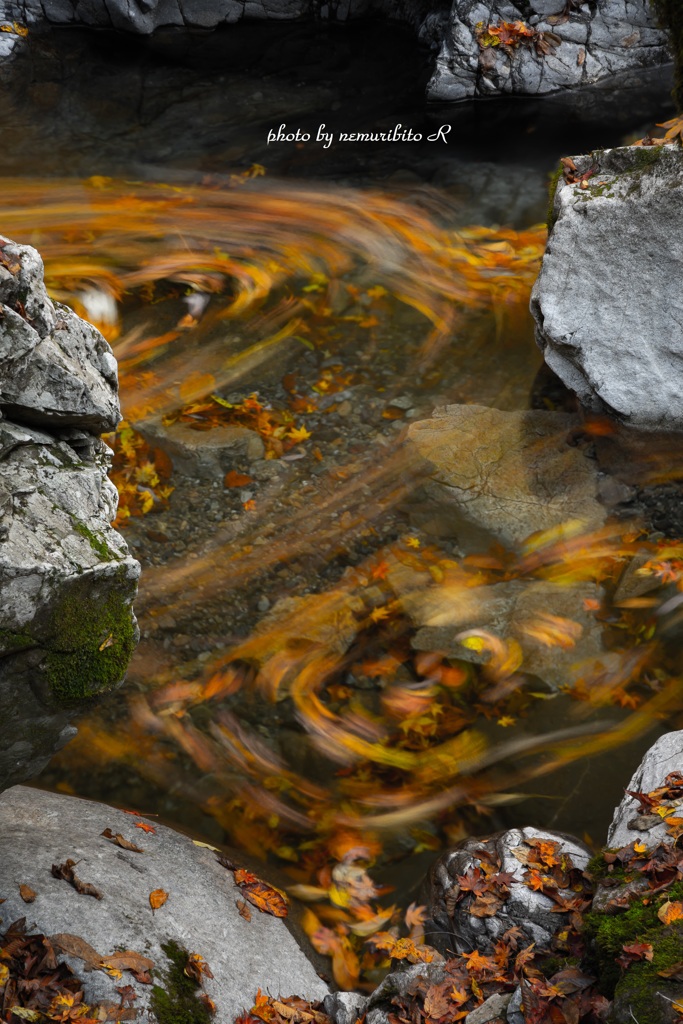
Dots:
pixel 149 829
pixel 157 898
pixel 670 911
pixel 235 479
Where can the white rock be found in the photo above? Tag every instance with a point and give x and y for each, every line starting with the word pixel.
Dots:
pixel 608 303
pixel 664 756
pixel 40 829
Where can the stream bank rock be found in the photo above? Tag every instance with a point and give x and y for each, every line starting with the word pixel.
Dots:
pixel 55 369
pixel 39 829
pixel 607 302
pixel 571 45
pixel 565 46
pixel 67 581
pixel 457 920
pixel 501 476
pixel 663 757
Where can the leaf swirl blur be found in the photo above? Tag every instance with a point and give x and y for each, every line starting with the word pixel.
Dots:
pixel 201 288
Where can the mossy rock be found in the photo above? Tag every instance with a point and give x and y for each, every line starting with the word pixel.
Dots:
pixel 639 985
pixel 175 996
pixel 642 994
pixel 90 639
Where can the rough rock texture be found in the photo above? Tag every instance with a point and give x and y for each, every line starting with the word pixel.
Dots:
pixel 588 42
pixel 67 582
pixel 40 829
pixel 506 475
pixel 456 930
pixel 55 369
pixel 664 756
pixel 607 302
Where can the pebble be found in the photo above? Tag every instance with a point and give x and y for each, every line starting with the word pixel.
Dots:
pixel 263 604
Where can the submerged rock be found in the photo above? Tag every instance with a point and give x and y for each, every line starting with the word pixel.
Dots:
pixel 607 302
pixel 206 455
pixel 200 916
pixel 505 475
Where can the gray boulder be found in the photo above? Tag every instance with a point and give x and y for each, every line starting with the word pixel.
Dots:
pixel 457 923
pixel 200 915
pixel 628 824
pixel 607 302
pixel 55 369
pixel 505 475
pixel 67 583
pixel 573 46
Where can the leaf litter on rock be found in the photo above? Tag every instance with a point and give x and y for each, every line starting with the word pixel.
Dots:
pixel 66 872
pixel 119 840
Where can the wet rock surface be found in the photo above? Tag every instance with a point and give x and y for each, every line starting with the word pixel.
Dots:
pixel 505 475
pixel 570 46
pixel 200 915
pixel 460 919
pixel 617 348
pixel 67 582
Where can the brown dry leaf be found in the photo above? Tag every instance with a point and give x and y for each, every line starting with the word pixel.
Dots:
pixel 208 1003
pixel 78 947
pixel 243 908
pixel 263 896
pixel 27 893
pixel 117 838
pixel 128 960
pixel 196 968
pixel 675 971
pixel 157 898
pixel 235 479
pixel 66 872
pixel 670 911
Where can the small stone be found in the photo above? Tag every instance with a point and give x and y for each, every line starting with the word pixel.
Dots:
pixel 263 604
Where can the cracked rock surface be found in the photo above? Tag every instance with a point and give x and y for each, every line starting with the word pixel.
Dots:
pixel 67 581
pixel 577 45
pixel 607 302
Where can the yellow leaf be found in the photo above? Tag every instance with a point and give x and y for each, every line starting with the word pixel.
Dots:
pixel 670 911
pixel 298 434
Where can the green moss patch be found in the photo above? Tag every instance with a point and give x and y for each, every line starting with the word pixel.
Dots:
pixel 607 934
pixel 97 542
pixel 91 642
pixel 12 641
pixel 175 1000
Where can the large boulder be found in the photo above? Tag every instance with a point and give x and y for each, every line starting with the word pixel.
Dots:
pixel 67 582
pixel 505 475
pixel 244 951
pixel 607 302
pixel 568 45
